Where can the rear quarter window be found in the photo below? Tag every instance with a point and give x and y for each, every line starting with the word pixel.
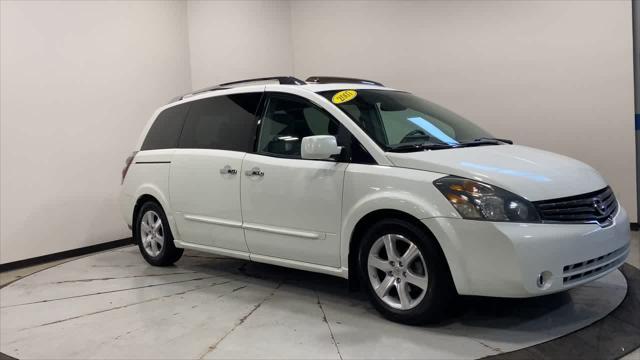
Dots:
pixel 165 131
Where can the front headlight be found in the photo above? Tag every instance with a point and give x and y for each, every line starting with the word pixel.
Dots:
pixel 479 201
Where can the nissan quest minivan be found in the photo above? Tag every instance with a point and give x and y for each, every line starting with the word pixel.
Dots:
pixel 347 177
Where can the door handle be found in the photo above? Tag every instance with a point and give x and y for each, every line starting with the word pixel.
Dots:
pixel 228 170
pixel 254 172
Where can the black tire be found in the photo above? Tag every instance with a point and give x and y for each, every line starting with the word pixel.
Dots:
pixel 440 290
pixel 168 254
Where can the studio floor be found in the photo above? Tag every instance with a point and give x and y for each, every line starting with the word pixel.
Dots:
pixel 114 305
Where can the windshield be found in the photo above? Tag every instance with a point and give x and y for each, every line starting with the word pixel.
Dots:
pixel 399 120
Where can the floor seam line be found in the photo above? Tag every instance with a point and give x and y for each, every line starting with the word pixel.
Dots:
pixel 240 322
pixel 62 262
pixel 118 278
pixel 125 306
pixel 324 318
pixel 107 292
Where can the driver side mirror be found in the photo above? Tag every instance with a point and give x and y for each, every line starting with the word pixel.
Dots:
pixel 319 147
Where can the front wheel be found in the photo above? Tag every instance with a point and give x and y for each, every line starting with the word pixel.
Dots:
pixel 153 236
pixel 406 276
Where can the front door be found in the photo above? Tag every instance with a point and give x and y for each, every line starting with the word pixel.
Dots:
pixel 205 172
pixel 291 207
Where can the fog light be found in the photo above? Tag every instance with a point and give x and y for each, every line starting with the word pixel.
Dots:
pixel 544 280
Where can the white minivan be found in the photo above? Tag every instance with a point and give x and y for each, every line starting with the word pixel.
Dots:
pixel 350 178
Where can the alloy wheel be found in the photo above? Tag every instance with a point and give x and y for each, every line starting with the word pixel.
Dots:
pixel 397 271
pixel 152 233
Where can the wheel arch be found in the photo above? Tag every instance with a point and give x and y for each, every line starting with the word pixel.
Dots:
pixel 151 194
pixel 143 199
pixel 371 218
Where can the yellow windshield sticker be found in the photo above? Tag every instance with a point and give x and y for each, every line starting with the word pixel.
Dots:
pixel 344 96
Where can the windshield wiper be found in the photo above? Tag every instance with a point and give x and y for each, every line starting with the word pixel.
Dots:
pixel 408 147
pixel 506 141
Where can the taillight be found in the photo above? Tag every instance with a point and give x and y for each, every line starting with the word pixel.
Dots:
pixel 127 163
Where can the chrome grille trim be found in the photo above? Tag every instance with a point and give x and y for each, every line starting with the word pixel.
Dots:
pixel 595 207
pixel 591 268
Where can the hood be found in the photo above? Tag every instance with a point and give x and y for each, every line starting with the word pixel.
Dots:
pixel 531 173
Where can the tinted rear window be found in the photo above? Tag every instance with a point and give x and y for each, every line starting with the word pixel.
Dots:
pixel 222 122
pixel 165 131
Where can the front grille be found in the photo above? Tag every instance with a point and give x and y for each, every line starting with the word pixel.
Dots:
pixel 593 267
pixel 598 206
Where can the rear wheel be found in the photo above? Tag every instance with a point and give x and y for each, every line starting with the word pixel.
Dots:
pixel 405 274
pixel 153 236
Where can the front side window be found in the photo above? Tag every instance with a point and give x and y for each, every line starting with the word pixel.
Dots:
pixel 223 122
pixel 399 120
pixel 287 119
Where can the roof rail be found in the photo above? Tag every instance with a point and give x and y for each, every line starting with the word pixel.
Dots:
pixel 283 80
pixel 210 88
pixel 337 79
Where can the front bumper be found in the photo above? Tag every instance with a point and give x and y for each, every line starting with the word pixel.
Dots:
pixel 506 259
